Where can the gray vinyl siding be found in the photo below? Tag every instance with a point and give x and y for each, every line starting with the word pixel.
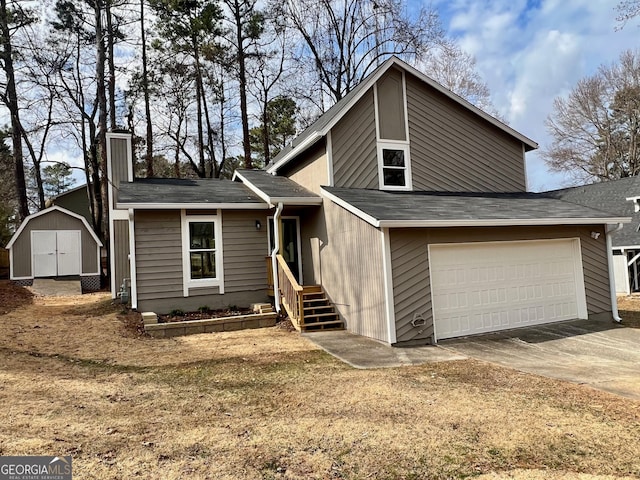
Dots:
pixel 410 267
pixel 54 220
pixel 354 147
pixel 391 116
pixel 245 250
pixel 159 262
pixel 344 255
pixel 119 166
pixel 121 260
pixel 596 270
pixel 158 255
pixel 454 150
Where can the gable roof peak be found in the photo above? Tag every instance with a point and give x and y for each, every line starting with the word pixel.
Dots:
pixel 319 129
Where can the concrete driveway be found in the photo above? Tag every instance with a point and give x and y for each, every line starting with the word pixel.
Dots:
pixel 603 355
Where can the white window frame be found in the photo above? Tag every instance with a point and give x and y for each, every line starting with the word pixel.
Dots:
pixel 404 147
pixel 187 282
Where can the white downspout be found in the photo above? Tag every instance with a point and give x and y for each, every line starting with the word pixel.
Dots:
pixel 612 281
pixel 274 253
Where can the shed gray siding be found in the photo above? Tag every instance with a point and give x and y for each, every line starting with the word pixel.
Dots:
pixel 344 255
pixel 454 150
pixel 54 220
pixel 159 262
pixel 354 147
pixel 410 266
pixel 121 260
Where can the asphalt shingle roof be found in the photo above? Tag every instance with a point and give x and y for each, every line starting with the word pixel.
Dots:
pixel 185 191
pixel 460 208
pixel 609 196
pixel 276 187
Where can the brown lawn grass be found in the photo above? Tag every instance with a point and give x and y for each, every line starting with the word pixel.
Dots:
pixel 629 308
pixel 76 379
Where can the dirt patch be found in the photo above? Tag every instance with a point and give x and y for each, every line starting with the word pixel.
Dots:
pixel 266 404
pixel 12 297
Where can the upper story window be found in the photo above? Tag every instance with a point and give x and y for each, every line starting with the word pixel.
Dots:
pixel 394 166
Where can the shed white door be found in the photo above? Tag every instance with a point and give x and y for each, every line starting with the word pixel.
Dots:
pixel 43 249
pixel 56 253
pixel 485 287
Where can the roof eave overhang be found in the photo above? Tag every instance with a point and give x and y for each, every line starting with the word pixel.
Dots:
pixel 511 222
pixel 193 206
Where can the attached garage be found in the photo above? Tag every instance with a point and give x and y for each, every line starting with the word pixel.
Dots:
pixel 490 286
pixel 55 243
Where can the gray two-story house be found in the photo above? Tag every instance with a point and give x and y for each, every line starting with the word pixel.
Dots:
pixel 400 214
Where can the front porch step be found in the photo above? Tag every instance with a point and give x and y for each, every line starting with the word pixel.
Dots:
pixel 318 313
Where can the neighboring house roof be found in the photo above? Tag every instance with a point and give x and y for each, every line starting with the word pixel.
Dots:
pixel 327 120
pixel 45 212
pixel 75 200
pixel 171 193
pixel 447 209
pixel 273 189
pixel 610 196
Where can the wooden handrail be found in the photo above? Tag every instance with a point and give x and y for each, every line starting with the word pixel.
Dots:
pixel 291 292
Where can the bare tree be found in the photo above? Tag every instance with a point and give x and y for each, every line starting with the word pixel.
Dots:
pixel 455 69
pixel 596 129
pixel 344 40
pixel 627 9
pixel 9 95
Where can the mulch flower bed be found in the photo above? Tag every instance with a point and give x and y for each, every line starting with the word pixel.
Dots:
pixel 202 314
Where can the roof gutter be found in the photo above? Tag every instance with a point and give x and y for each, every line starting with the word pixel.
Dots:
pixel 612 282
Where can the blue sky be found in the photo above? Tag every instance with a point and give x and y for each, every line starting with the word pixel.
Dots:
pixel 530 52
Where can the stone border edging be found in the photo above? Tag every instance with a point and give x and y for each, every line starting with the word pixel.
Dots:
pixel 190 327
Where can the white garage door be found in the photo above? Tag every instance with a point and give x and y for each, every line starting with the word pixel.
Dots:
pixel 484 287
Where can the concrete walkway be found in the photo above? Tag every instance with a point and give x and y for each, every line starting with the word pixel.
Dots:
pixel 601 354
pixel 363 352
pixel 56 286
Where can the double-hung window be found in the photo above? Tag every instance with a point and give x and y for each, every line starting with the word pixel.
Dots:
pixel 201 251
pixel 394 166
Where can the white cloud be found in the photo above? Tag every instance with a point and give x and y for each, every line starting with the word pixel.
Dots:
pixel 530 52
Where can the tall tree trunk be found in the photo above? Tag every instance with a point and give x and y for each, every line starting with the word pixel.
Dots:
pixel 242 79
pixel 10 99
pixel 109 37
pixel 145 91
pixel 101 143
pixel 199 95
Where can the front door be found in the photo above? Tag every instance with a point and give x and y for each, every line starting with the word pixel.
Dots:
pixel 290 250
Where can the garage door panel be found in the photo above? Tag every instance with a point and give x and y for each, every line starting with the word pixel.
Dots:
pixel 478 288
